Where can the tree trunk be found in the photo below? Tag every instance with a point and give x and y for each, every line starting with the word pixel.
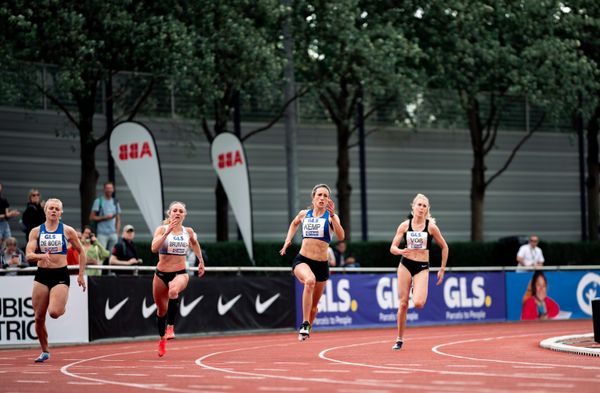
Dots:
pixel 593 169
pixel 222 213
pixel 477 171
pixel 343 179
pixel 89 174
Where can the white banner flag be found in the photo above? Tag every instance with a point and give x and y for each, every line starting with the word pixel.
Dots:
pixel 133 149
pixel 229 161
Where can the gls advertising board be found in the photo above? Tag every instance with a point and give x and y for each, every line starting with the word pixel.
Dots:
pixel 371 300
pixel 17 324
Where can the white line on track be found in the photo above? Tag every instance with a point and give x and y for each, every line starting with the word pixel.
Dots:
pixel 437 350
pixel 30 381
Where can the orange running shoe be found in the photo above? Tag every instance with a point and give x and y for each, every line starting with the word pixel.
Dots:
pixel 162 347
pixel 170 333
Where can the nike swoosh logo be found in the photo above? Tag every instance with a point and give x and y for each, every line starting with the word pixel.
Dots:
pixel 186 309
pixel 223 308
pixel 262 307
pixel 110 312
pixel 147 311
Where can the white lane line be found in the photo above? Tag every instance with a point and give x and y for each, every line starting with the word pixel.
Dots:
pixel 131 375
pixel 457 382
pixel 223 387
pixel 275 370
pixel 30 381
pixel 437 350
pixel 282 389
pixel 244 377
pixel 540 385
pixel 84 383
pixel 329 371
pixel 34 372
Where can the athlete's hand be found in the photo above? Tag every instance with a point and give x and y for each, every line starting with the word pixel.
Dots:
pixel 330 207
pixel 44 260
pixel 440 276
pixel 285 246
pixel 200 269
pixel 81 282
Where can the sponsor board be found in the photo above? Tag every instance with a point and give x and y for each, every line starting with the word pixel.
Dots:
pixel 123 306
pixel 17 324
pixel 572 290
pixel 370 300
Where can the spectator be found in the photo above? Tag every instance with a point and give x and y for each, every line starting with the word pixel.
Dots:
pixel 73 255
pixel 34 212
pixel 339 252
pixel 124 252
pixel 5 215
pixel 530 255
pixel 106 216
pixel 192 260
pixel 12 257
pixel 94 250
pixel 351 262
pixel 539 305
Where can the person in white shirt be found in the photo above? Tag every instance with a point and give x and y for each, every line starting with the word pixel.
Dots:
pixel 530 255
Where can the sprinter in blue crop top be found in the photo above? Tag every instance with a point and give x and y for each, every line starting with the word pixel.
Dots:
pixel 172 242
pixel 310 266
pixel 413 270
pixel 47 247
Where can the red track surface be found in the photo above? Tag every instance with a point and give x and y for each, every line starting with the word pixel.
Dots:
pixel 484 358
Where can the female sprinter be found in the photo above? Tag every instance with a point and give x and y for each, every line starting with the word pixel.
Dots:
pixel 413 270
pixel 172 241
pixel 47 247
pixel 310 266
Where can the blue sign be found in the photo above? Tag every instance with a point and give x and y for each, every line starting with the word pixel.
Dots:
pixel 371 300
pixel 572 290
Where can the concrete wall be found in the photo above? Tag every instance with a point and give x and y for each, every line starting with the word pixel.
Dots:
pixel 538 193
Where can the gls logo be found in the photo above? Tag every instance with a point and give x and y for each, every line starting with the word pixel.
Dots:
pixel 230 159
pixel 327 302
pixel 456 292
pixel 386 293
pixel 131 151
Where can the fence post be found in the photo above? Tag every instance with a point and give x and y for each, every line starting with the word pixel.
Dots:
pixel 596 317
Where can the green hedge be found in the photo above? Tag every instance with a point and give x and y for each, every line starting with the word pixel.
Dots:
pixel 376 254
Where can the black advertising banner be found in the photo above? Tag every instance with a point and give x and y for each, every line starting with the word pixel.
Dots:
pixel 122 306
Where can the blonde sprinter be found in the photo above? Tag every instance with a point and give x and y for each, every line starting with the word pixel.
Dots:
pixel 413 270
pixel 172 242
pixel 47 246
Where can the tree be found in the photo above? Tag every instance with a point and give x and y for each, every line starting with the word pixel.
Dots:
pixel 487 52
pixel 582 22
pixel 240 41
pixel 89 41
pixel 345 48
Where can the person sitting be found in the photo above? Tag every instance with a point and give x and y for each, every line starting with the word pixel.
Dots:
pixel 351 262
pixel 339 253
pixel 12 257
pixel 539 305
pixel 124 252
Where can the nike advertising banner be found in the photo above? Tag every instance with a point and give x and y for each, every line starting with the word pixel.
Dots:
pixel 573 291
pixel 122 306
pixel 231 165
pixel 371 300
pixel 134 151
pixel 17 324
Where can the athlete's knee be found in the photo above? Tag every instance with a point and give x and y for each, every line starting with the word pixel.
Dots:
pixel 310 282
pixel 54 314
pixel 419 303
pixel 173 293
pixel 403 305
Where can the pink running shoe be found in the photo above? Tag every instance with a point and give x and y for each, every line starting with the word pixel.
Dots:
pixel 162 347
pixel 170 332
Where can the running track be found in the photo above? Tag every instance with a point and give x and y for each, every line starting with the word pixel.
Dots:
pixel 486 358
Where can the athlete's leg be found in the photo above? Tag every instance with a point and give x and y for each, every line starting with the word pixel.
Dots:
pixel 305 275
pixel 40 297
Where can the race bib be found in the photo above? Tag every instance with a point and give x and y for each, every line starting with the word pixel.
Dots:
pixel 51 243
pixel 416 240
pixel 313 227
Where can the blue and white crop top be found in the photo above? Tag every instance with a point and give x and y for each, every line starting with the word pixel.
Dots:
pixel 418 240
pixel 316 227
pixel 52 242
pixel 176 244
